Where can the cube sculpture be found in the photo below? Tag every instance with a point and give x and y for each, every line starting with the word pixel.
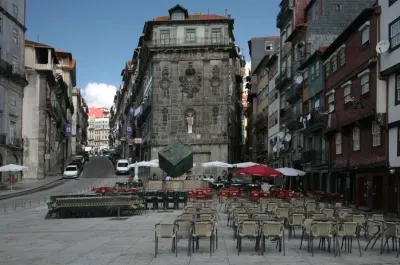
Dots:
pixel 175 159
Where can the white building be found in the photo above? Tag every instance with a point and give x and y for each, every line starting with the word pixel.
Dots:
pixel 99 128
pixel 46 108
pixel 390 69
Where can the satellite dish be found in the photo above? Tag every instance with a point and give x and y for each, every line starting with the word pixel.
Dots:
pixel 281 135
pixel 275 149
pixel 382 46
pixel 298 79
pixel 288 137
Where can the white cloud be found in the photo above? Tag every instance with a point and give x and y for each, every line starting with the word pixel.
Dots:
pixel 248 67
pixel 99 95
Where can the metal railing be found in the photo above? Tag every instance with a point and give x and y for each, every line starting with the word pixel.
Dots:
pixel 316 157
pixel 180 42
pixel 316 121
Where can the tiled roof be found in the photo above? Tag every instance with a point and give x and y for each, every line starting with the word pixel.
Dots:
pixel 194 17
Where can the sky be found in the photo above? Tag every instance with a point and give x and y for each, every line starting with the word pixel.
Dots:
pixel 102 34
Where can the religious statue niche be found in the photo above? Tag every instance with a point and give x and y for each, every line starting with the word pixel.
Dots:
pixel 165 82
pixel 191 81
pixel 165 116
pixel 215 112
pixel 215 81
pixel 190 120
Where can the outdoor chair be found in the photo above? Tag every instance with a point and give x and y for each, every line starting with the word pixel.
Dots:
pixel 295 220
pixel 329 213
pixel 347 232
pixel 392 232
pixel 184 230
pixel 306 233
pixel 165 231
pixel 321 230
pixel 249 229
pixel 273 230
pixel 203 229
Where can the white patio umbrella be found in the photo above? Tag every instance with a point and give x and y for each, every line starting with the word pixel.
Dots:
pixel 141 164
pixel 290 172
pixel 216 164
pixel 244 164
pixel 12 168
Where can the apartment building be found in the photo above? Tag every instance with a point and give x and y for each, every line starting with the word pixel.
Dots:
pixel 99 128
pixel 12 82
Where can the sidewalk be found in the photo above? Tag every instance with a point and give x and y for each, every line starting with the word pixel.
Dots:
pixel 26 186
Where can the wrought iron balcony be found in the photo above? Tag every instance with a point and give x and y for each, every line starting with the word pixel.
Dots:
pixel 293 94
pixel 316 157
pixel 261 122
pixel 315 122
pixel 182 42
pixel 3 139
pixel 284 12
pixel 283 79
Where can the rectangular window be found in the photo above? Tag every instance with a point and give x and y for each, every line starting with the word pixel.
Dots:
pixel 269 46
pixel 15 36
pixel 1 24
pixel 15 62
pixel 312 73
pixel 327 69
pixel 356 139
pixel 397 90
pixel 398 140
pixel 391 2
pixel 376 134
pixel 331 102
pixel 13 100
pixel 317 69
pixel 364 84
pixel 334 63
pixel 342 57
pixel 15 10
pixel 216 36
pixel 394 34
pixel 365 35
pixel 338 143
pixel 347 94
pixel 190 35
pixel 165 37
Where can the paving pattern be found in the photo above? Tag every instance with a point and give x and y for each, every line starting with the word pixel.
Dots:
pixel 26 238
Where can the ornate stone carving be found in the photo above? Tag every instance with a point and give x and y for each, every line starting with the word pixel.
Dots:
pixel 215 81
pixel 215 112
pixel 165 116
pixel 165 82
pixel 191 81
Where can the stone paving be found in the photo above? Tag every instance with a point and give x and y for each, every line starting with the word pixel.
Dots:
pixel 26 238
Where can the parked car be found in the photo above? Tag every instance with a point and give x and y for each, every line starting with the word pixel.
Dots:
pixel 71 172
pixel 122 167
pixel 76 163
pixel 81 157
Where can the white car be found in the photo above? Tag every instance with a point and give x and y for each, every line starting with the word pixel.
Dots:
pixel 122 167
pixel 71 172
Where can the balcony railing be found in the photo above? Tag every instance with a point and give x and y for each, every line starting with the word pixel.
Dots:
pixel 261 122
pixel 315 122
pixel 182 42
pixel 16 74
pixel 282 79
pixel 293 93
pixel 316 157
pixel 284 5
pixel 285 115
pixel 13 142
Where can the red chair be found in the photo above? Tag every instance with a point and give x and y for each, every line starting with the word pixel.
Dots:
pixel 201 195
pixel 254 196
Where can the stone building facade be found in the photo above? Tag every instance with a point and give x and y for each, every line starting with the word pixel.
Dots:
pixel 12 83
pixel 188 87
pixel 46 108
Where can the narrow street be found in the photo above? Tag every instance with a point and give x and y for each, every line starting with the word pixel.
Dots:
pixel 97 171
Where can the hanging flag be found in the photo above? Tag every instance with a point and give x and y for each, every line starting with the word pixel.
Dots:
pixel 68 130
pixel 128 129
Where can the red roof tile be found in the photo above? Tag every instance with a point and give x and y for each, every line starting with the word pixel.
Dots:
pixel 37 44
